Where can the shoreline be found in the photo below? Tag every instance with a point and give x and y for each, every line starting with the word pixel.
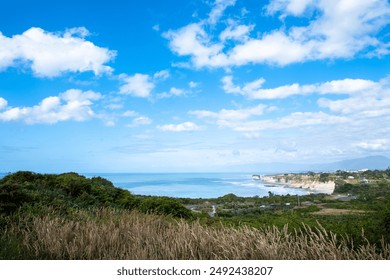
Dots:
pixel 299 183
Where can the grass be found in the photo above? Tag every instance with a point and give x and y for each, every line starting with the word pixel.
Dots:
pixel 121 234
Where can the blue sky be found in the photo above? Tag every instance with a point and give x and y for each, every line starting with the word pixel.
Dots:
pixel 181 86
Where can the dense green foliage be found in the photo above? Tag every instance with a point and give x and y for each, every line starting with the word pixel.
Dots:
pixel 64 192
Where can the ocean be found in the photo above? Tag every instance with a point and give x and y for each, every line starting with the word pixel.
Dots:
pixel 192 185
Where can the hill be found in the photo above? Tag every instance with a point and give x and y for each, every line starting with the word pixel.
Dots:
pixel 371 163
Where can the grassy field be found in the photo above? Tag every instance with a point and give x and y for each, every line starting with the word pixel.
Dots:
pixel 109 234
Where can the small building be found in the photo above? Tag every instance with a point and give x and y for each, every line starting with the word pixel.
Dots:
pixel 364 181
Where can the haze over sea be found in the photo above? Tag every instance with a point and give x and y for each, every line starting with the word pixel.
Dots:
pixel 193 185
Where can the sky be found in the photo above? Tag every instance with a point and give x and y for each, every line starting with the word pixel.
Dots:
pixel 192 86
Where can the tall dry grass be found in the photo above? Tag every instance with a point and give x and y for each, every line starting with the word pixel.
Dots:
pixel 130 235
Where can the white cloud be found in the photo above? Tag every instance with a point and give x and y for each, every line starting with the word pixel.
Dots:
pixel 72 104
pixel 367 99
pixel 236 32
pixel 255 88
pixel 376 144
pixel 294 120
pixel 81 32
pixel 218 9
pixel 51 54
pixel 140 120
pixel 230 115
pixel 186 126
pixel 289 7
pixel 242 119
pixel 192 84
pixel 130 113
pixel 109 123
pixel 3 103
pixel 357 22
pixel 138 85
pixel 193 40
pixel 354 102
pixel 141 85
pixel 137 120
pixel 272 48
pixel 252 135
pixel 176 91
pixel 162 75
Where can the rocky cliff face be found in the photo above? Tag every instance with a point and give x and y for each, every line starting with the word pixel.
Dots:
pixel 313 182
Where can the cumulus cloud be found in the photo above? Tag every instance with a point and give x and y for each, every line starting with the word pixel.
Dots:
pixel 355 100
pixel 296 119
pixel 230 114
pixel 72 104
pixel 358 23
pixel 142 120
pixel 192 40
pixel 162 75
pixel 236 32
pixel 52 54
pixel 246 119
pixel 141 85
pixel 138 119
pixel 3 103
pixel 288 7
pixel 176 91
pixel 138 85
pixel 255 90
pixel 130 113
pixel 375 144
pixel 367 99
pixel 186 126
pixel 218 9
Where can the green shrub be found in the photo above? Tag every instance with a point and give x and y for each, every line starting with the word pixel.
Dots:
pixel 12 197
pixel 73 183
pixel 164 206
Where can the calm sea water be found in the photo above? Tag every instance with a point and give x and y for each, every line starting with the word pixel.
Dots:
pixel 192 185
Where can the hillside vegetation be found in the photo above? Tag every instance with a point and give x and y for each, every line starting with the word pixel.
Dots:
pixel 68 216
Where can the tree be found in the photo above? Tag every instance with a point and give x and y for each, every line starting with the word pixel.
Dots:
pixel 164 206
pixel 11 197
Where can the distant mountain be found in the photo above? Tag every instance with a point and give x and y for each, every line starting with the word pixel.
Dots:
pixel 370 162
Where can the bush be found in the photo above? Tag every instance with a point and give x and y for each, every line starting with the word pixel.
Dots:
pixel 74 184
pixel 164 206
pixel 11 197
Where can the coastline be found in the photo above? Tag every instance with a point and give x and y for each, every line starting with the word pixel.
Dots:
pixel 320 187
pixel 300 182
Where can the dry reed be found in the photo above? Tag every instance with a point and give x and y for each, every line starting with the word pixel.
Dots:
pixel 131 235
